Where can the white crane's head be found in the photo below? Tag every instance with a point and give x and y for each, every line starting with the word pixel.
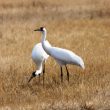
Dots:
pixel 41 29
pixel 34 74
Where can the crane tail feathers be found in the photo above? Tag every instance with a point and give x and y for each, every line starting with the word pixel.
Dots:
pixel 82 65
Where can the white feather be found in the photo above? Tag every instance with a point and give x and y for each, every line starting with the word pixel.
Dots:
pixel 39 56
pixel 62 56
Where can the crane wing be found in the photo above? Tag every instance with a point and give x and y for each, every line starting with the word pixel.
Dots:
pixel 64 55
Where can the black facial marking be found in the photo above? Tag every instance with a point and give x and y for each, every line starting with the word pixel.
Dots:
pixel 41 28
pixel 33 74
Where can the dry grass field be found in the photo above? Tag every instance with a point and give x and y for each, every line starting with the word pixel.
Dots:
pixel 82 26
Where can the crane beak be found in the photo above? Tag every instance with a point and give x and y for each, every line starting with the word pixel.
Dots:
pixel 37 30
pixel 30 78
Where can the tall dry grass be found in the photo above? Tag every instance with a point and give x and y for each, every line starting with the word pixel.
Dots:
pixel 81 26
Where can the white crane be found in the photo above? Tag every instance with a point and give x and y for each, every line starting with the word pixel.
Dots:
pixel 39 56
pixel 62 56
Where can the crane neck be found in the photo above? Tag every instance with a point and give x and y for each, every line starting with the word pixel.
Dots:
pixel 45 46
pixel 39 71
pixel 44 33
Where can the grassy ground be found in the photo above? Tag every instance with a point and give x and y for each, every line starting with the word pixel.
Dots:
pixel 82 26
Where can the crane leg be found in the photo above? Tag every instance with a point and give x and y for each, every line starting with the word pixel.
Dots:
pixel 61 74
pixel 43 72
pixel 44 67
pixel 67 73
pixel 39 78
